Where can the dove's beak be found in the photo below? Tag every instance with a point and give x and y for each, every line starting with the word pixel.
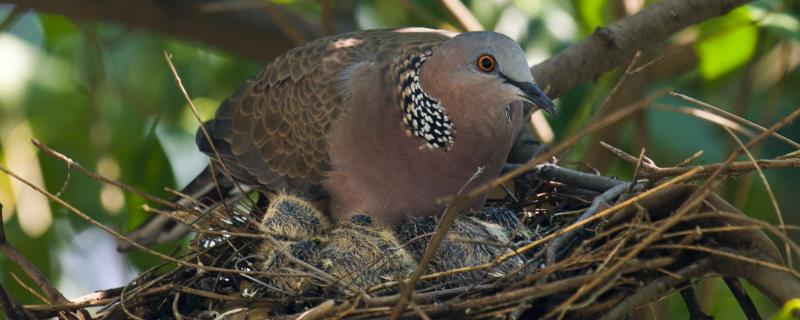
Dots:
pixel 533 94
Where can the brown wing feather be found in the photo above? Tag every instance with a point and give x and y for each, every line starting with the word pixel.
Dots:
pixel 281 117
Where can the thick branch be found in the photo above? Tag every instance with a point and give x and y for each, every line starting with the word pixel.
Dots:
pixel 611 46
pixel 253 33
pixel 27 266
pixel 250 32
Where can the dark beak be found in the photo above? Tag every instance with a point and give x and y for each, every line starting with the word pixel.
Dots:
pixel 534 95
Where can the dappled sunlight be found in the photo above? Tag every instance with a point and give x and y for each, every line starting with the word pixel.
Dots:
pixel 560 25
pixel 542 131
pixel 89 261
pixel 634 191
pixel 108 167
pixel 111 198
pixel 17 60
pixel 184 158
pixel 206 107
pixel 513 23
pixel 20 157
pixel 6 198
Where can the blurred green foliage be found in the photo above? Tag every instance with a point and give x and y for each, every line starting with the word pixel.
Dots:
pixel 102 94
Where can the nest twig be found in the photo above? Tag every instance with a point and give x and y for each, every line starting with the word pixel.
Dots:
pixel 601 248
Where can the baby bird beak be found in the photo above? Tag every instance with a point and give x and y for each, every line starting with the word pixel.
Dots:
pixel 533 94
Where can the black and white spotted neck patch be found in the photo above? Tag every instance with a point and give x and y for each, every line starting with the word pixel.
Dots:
pixel 423 116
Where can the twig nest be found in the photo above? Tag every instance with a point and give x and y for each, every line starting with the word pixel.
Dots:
pixel 361 253
pixel 469 242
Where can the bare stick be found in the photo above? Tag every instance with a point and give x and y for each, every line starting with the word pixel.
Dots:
pixel 694 307
pixel 10 307
pixel 465 18
pixel 196 114
pixel 734 168
pixel 603 106
pixel 567 143
pixel 768 188
pixel 744 300
pixel 451 212
pixel 655 289
pixel 602 214
pixel 72 164
pixel 554 250
pixel 121 237
pixel 651 171
pixel 53 295
pixel 619 41
pixel 688 206
pixel 12 310
pixel 708 117
pixel 283 23
pixel 718 252
pixel 734 117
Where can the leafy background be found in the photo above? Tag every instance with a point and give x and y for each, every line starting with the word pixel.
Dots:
pixel 102 94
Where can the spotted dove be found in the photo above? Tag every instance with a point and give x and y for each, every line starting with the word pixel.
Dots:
pixel 380 122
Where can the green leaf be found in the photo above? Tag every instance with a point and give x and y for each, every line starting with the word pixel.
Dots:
pixel 789 311
pixel 784 24
pixel 591 13
pixel 728 43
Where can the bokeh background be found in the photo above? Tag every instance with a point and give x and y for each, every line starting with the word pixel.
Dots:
pixel 102 94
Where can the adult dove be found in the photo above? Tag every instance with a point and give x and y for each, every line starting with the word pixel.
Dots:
pixel 380 123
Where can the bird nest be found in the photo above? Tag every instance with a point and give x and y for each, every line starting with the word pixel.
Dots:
pixel 559 243
pixel 566 243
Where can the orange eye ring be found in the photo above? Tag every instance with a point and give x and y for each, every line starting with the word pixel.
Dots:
pixel 486 63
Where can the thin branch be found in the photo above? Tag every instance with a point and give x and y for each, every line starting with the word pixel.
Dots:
pixel 203 129
pixel 12 17
pixel 618 42
pixel 72 164
pixel 656 288
pixel 688 206
pixel 602 214
pixel 458 10
pixel 744 300
pixel 564 145
pixel 721 253
pixel 768 188
pixel 694 307
pixel 10 307
pixel 452 211
pixel 554 251
pixel 251 33
pixel 244 31
pixel 280 19
pixel 651 171
pixel 734 117
pixel 53 295
pixel 135 244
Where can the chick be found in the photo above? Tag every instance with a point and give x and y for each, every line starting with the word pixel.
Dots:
pixel 361 253
pixel 507 219
pixel 292 218
pixel 470 242
pixel 299 227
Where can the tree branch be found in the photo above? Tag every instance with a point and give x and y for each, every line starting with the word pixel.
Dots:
pixel 252 33
pixel 611 46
